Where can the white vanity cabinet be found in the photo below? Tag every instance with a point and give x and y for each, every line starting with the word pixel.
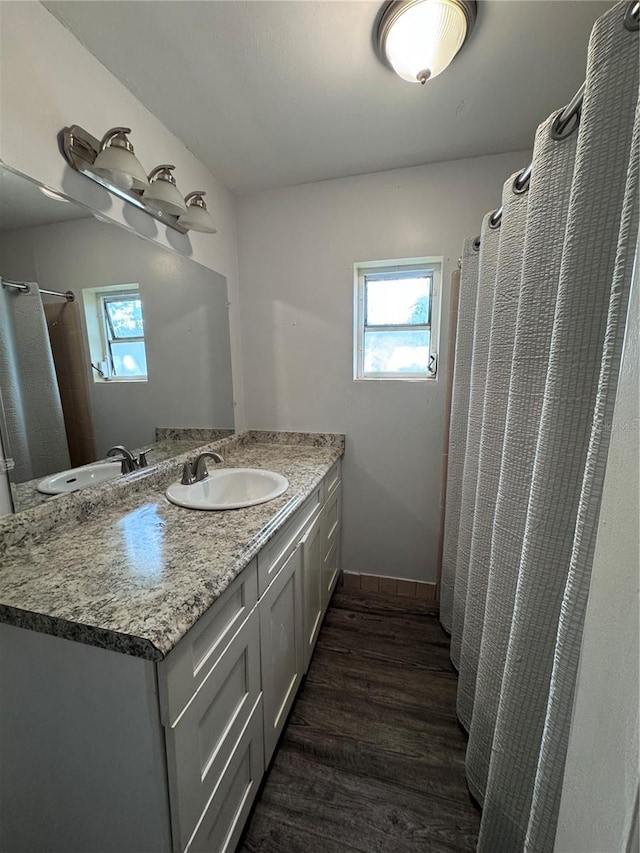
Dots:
pixel 312 586
pixel 283 568
pixel 120 754
pixel 228 686
pixel 331 528
pixel 281 646
pixel 210 696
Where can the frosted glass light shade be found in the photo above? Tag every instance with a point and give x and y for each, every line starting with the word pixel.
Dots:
pixel 421 38
pixel 121 167
pixel 162 193
pixel 197 217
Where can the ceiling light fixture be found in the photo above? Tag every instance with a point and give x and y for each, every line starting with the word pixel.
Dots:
pixel 111 162
pixel 197 217
pixel 420 38
pixel 162 193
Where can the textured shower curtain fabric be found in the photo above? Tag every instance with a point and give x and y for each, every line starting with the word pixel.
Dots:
pixel 496 394
pixel 29 387
pixel 468 293
pixel 540 373
pixel 489 244
pixel 548 203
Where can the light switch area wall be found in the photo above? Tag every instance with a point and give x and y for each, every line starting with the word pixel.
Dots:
pixel 297 248
pixel 186 325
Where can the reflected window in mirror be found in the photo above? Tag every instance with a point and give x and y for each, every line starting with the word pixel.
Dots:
pixel 115 329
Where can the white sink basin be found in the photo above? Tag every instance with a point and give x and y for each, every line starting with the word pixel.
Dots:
pixel 79 478
pixel 229 488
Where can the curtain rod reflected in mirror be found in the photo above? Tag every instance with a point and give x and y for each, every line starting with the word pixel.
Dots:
pixel 25 287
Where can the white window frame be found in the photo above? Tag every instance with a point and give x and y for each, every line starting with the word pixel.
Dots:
pixel 431 265
pixel 121 294
pixel 94 300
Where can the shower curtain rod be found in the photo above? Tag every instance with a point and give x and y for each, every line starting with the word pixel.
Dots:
pixel 23 287
pixel 563 120
pixel 521 182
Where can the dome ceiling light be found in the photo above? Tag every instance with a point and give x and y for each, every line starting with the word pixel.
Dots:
pixel 420 38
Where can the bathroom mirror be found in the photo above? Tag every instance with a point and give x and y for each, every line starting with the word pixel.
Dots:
pixel 144 344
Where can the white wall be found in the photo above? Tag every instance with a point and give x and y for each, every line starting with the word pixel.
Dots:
pixel 48 81
pixel 297 247
pixel 601 775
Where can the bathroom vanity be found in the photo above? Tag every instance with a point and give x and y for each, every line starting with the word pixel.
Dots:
pixel 150 656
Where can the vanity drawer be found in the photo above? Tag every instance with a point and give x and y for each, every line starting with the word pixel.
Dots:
pixel 332 480
pixel 202 741
pixel 276 552
pixel 222 822
pixel 331 516
pixel 187 665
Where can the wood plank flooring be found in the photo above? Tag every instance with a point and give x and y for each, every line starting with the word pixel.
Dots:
pixel 372 758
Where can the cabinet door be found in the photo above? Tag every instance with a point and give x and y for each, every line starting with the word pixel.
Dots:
pixel 331 516
pixel 330 571
pixel 281 625
pixel 202 739
pixel 312 587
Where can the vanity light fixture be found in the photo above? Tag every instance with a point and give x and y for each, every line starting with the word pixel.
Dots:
pixel 197 217
pixel 420 38
pixel 111 162
pixel 117 161
pixel 162 193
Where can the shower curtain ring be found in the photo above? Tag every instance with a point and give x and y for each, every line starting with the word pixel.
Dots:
pixel 632 16
pixel 562 128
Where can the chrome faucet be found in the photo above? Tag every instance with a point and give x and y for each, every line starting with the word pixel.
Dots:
pixel 128 461
pixel 196 471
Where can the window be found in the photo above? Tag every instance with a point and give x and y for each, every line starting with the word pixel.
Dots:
pixel 115 329
pixel 124 335
pixel 397 319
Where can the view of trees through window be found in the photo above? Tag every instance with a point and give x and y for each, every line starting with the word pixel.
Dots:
pixel 397 332
pixel 124 326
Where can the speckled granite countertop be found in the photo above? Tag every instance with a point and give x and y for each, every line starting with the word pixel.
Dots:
pixel 138 574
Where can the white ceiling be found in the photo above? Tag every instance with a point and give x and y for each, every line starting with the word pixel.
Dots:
pixel 270 94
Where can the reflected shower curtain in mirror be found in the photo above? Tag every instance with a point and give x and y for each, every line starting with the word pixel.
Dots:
pixel 29 388
pixel 527 457
pixel 70 357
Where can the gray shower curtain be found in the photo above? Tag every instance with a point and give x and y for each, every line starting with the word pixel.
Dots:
pixel 522 501
pixel 29 388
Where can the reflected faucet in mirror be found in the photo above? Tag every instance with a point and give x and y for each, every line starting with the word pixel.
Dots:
pixel 128 460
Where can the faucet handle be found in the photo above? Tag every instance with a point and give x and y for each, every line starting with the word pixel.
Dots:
pixel 187 475
pixel 143 462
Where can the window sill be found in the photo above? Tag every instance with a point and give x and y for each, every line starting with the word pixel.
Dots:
pixel 395 379
pixel 121 380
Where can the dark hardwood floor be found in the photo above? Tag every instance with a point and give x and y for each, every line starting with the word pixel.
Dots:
pixel 372 758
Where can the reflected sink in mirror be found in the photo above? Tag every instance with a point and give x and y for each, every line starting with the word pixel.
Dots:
pixel 229 488
pixel 79 478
